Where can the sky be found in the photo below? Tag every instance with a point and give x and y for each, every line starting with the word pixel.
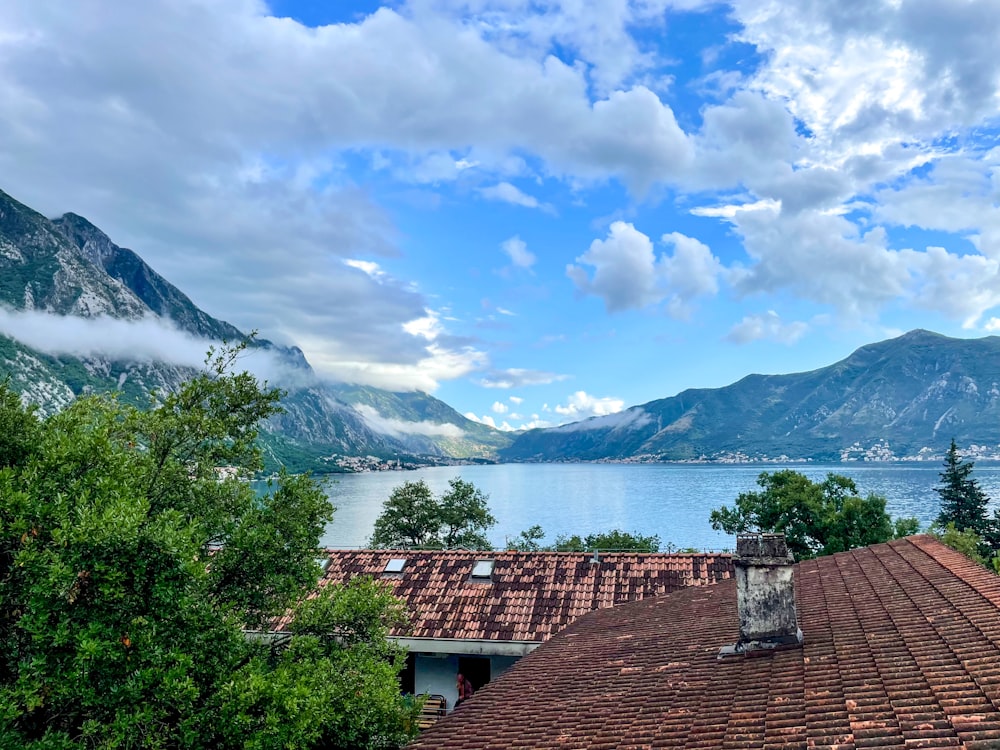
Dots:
pixel 537 210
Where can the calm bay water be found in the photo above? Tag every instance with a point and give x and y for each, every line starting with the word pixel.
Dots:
pixel 671 500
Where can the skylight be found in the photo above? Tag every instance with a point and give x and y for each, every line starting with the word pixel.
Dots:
pixel 395 565
pixel 482 569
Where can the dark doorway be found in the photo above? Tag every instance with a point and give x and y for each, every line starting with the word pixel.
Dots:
pixel 476 669
pixel 408 675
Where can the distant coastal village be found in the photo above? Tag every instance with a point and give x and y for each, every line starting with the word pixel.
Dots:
pixel 879 452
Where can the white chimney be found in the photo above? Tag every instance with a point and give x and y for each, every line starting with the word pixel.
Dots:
pixel 765 599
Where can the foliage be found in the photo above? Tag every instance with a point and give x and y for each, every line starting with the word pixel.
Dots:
pixel 613 540
pixel 966 541
pixel 18 428
pixel 413 518
pixel 816 518
pixel 130 570
pixel 963 502
pixel 530 540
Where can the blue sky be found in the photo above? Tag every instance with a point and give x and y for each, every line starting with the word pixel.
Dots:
pixel 537 210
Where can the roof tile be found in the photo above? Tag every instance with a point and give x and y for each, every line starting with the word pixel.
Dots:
pixel 901 650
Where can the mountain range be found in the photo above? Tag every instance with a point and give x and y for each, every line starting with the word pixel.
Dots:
pixel 902 398
pixel 68 267
pixel 906 397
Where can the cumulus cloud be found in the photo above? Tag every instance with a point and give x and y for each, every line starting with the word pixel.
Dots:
pixel 581 405
pixel 767 326
pixel 516 377
pixel 861 80
pixel 500 408
pixel 517 250
pixel 690 272
pixel 625 273
pixel 396 427
pixel 207 136
pixel 820 257
pixel 628 274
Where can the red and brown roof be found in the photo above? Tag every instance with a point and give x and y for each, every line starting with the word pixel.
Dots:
pixel 901 650
pixel 529 596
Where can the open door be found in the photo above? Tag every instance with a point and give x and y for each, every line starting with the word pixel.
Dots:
pixel 476 669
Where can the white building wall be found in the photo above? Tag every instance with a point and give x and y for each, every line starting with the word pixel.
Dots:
pixel 436 674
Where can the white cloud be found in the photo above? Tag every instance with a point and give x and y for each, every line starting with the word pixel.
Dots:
pixel 500 408
pixel 209 136
pixel 625 269
pixel 370 268
pixel 632 418
pixel 581 405
pixel 862 80
pixel 508 193
pixel 396 427
pixel 516 377
pixel 517 400
pixel 690 272
pixel 440 364
pixel 486 419
pixel 517 250
pixel 629 275
pixel 428 326
pixel 150 339
pixel 729 211
pixel 766 326
pixel 820 257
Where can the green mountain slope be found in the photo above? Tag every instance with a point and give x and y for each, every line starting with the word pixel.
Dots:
pixel 67 266
pixel 913 392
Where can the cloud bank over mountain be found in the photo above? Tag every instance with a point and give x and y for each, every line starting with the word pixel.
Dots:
pixel 672 178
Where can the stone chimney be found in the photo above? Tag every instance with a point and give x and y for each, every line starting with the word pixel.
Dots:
pixel 765 599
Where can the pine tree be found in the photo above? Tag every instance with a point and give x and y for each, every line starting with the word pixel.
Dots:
pixel 963 502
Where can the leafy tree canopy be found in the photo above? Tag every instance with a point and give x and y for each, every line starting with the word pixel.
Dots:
pixel 817 518
pixel 530 540
pixel 412 518
pixel 131 569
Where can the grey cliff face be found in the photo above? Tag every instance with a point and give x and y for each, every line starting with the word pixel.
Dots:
pixel 68 266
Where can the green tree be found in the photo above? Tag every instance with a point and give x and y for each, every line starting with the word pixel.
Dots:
pixel 409 518
pixel 963 502
pixel 615 539
pixel 965 541
pixel 413 518
pixel 131 570
pixel 530 540
pixel 18 427
pixel 816 518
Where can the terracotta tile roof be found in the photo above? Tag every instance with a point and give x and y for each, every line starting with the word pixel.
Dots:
pixel 529 596
pixel 901 650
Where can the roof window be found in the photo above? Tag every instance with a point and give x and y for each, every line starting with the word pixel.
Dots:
pixel 482 570
pixel 395 565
